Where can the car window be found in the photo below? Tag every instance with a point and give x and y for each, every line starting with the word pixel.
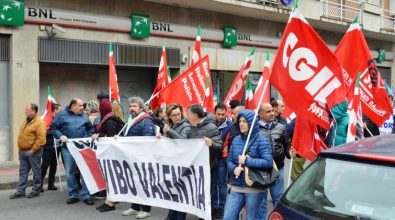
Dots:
pixel 333 189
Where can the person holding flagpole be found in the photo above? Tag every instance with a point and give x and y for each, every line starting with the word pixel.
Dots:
pixel 139 124
pixel 260 156
pixel 49 155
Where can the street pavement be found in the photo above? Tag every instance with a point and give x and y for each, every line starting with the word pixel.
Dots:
pixel 52 205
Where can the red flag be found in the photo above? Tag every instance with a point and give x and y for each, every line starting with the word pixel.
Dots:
pixel 113 80
pixel 288 114
pixel 47 116
pixel 196 55
pixel 189 87
pixel 163 78
pixel 237 88
pixel 306 140
pixel 306 73
pixel 354 55
pixel 208 103
pixel 263 80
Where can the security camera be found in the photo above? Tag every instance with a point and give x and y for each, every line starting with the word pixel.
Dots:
pixel 58 29
pixel 184 58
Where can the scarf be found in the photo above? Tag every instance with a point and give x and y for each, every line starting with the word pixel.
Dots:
pixel 106 117
pixel 133 121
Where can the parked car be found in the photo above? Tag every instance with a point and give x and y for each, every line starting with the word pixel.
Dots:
pixel 354 181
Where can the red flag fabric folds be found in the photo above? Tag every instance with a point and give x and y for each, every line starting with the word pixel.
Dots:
pixel 306 73
pixel 354 55
pixel 190 87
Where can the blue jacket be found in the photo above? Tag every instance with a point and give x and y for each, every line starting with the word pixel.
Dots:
pixel 144 127
pixel 224 128
pixel 71 125
pixel 259 150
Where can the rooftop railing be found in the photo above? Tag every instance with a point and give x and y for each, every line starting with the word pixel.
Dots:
pixel 345 10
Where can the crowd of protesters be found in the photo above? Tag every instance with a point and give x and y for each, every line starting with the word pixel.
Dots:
pixel 269 145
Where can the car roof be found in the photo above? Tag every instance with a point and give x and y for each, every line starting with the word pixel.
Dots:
pixel 378 148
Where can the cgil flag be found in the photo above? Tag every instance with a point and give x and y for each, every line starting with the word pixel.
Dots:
pixel 163 78
pixel 190 87
pixel 237 88
pixel 261 88
pixel 306 72
pixel 113 79
pixel 196 55
pixel 47 116
pixel 354 55
pixel 354 110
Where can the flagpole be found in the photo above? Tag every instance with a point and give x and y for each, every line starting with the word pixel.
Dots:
pixel 254 119
pixel 57 165
pixel 371 135
pixel 290 172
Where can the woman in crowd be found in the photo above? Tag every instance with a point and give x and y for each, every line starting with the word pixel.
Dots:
pixel 117 109
pixel 109 126
pixel 92 110
pixel 260 156
pixel 178 129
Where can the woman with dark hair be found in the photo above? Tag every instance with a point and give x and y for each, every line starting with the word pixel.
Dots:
pixel 179 126
pixel 178 129
pixel 109 126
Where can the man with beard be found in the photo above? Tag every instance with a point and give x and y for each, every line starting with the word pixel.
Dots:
pixel 139 124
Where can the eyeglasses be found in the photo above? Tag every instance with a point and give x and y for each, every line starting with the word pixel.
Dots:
pixel 175 115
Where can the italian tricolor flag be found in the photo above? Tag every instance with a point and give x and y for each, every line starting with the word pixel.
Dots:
pixel 47 116
pixel 249 96
pixel 196 55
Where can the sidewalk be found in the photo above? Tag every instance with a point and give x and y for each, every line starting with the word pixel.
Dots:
pixel 9 175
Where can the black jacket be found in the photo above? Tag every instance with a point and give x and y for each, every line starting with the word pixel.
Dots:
pixel 373 128
pixel 207 128
pixel 279 141
pixel 281 120
pixel 111 127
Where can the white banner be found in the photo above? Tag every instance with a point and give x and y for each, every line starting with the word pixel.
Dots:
pixel 84 154
pixel 386 128
pixel 167 173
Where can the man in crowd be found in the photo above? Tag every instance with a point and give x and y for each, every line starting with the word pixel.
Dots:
pixel 235 112
pixel 139 124
pixel 49 155
pixel 233 105
pixel 72 122
pixel 204 127
pixel 31 139
pixel 278 107
pixel 219 177
pixel 281 146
